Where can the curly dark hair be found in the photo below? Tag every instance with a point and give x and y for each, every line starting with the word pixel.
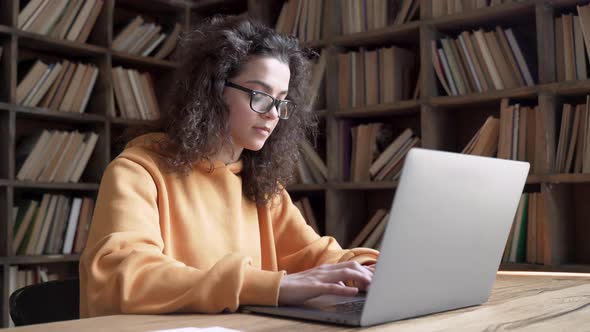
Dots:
pixel 196 118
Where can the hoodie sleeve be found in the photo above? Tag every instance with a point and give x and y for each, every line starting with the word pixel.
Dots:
pixel 300 248
pixel 124 269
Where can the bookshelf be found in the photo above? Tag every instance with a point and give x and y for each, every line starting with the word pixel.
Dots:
pixel 17 121
pixel 448 122
pixel 443 122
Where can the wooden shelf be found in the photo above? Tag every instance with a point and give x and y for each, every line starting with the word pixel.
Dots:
pixel 477 98
pixel 341 210
pixel 565 3
pixel 45 113
pixel 566 178
pixel 315 44
pixel 128 122
pixel 403 107
pixel 403 33
pixel 55 186
pixel 569 88
pixel 511 13
pixel 157 5
pixel 579 268
pixel 364 185
pixel 6 30
pixel 209 4
pixel 41 259
pixel 534 179
pixel 62 47
pixel 120 58
pixel 302 187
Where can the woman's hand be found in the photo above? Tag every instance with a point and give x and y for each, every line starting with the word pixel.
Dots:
pixel 296 288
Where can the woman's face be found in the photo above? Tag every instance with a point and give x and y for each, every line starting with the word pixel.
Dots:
pixel 250 130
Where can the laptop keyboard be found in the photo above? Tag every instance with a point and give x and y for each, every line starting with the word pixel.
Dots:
pixel 347 307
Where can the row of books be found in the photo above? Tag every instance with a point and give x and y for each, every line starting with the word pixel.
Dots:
pixel 144 38
pixel 570 56
pixel 517 131
pixel 306 210
pixel 371 233
pixel 528 241
pixel 54 156
pixel 371 77
pixel 302 18
pixel 318 73
pixel 365 15
pixel 513 137
pixel 449 7
pixel 135 94
pixel 310 166
pixel 65 86
pixel 56 225
pixel 480 61
pixel 369 163
pixel 72 20
pixel 510 137
pixel 573 144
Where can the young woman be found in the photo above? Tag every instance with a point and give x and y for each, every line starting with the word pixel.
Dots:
pixel 192 217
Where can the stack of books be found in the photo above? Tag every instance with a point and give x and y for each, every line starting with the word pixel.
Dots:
pixel 371 77
pixel 310 167
pixel 63 86
pixel 450 7
pixel 371 234
pixel 302 18
pixel 146 39
pixel 135 94
pixel 510 137
pixel 480 61
pixel 56 225
pixel 63 19
pixel 367 163
pixel 54 156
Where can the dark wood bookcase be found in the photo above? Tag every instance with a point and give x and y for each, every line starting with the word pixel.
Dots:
pixel 341 206
pixel 448 122
pixel 17 121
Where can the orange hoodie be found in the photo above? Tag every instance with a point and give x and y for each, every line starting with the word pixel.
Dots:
pixel 161 242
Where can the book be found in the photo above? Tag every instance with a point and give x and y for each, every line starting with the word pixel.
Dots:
pixel 169 44
pixel 89 145
pixel 368 228
pixel 22 225
pixel 82 17
pixel 32 78
pixel 71 226
pixel 89 22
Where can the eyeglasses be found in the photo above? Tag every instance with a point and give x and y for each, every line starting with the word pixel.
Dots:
pixel 262 102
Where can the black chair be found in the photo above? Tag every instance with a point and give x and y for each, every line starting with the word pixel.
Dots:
pixel 46 302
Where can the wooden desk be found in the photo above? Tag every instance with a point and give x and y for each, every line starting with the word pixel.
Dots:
pixel 522 303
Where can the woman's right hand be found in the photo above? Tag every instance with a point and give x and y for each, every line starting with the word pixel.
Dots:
pixel 296 288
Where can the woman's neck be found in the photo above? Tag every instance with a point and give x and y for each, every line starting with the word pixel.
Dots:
pixel 228 155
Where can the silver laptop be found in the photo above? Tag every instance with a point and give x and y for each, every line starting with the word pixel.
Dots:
pixel 442 246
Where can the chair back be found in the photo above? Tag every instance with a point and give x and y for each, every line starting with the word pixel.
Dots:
pixel 46 302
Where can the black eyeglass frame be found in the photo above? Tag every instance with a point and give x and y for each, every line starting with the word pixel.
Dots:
pixel 275 102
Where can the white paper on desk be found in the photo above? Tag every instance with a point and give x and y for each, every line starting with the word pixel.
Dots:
pixel 197 329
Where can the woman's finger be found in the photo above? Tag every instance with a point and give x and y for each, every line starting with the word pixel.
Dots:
pixel 336 289
pixel 345 274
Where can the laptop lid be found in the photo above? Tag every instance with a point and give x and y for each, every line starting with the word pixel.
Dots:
pixel 450 219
